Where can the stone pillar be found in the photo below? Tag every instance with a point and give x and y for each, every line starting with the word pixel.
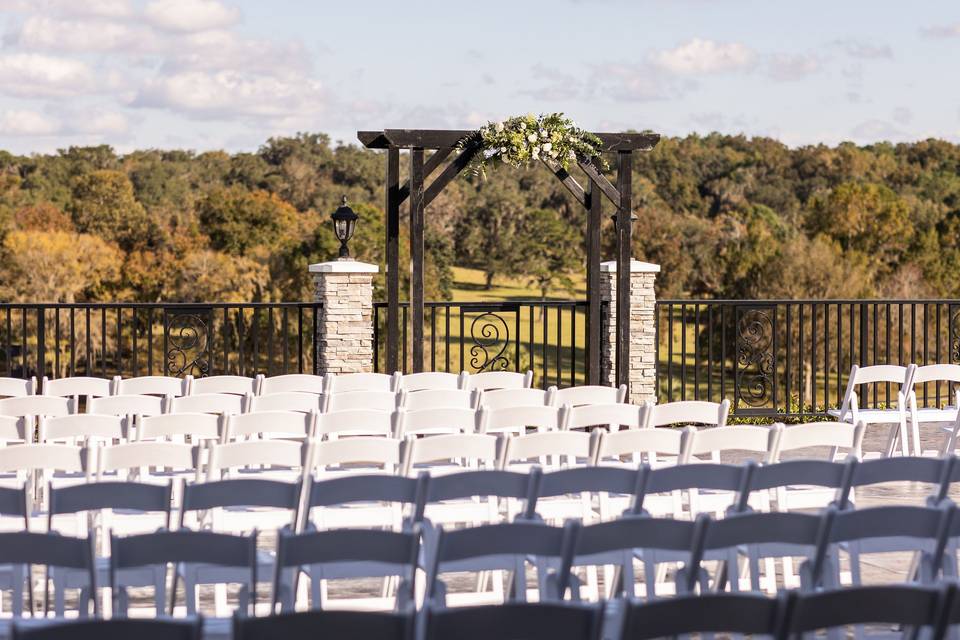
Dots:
pixel 344 341
pixel 643 346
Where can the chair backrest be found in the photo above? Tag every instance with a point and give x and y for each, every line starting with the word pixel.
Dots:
pixel 432 380
pixel 304 625
pixel 644 443
pixel 896 469
pixel 369 422
pixel 908 605
pixel 902 521
pixel 76 386
pixel 139 455
pixel 750 528
pixel 714 441
pixel 567 446
pixel 477 450
pixel 21 406
pixel 284 424
pixel 500 380
pixel 472 484
pixel 152 386
pixel 365 488
pixel 588 394
pixel 17 387
pixel 255 453
pixel 199 426
pixel 50 550
pixel 53 457
pixel 637 532
pixel 688 412
pixel 383 454
pixel 113 629
pixel 81 427
pixel 722 613
pixel 237 385
pixel 900 376
pixel 835 435
pixel 209 403
pixel 611 480
pixel 15 429
pixel 438 398
pixel 936 372
pixel 518 418
pixel 439 420
pixel 540 621
pixel 505 398
pixel 706 475
pixel 360 382
pixel 15 502
pixel 373 400
pixel 287 401
pixel 614 416
pixel 96 496
pixel 240 492
pixel 300 382
pixel 819 473
pixel 127 405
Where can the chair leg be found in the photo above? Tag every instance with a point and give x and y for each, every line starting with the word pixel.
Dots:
pixel 915 436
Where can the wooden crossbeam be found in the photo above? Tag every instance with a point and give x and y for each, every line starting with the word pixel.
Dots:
pixel 428 167
pixel 601 181
pixel 568 181
pixel 449 172
pixel 448 138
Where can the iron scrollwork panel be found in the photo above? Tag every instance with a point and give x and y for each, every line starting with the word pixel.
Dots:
pixel 488 338
pixel 954 310
pixel 755 376
pixel 187 335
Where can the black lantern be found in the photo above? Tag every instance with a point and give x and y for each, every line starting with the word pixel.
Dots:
pixel 344 222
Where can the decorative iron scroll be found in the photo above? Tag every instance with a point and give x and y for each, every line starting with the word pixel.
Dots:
pixel 490 335
pixel 955 333
pixel 187 341
pixel 755 364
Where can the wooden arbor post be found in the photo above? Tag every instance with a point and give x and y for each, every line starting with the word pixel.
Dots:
pixel 444 142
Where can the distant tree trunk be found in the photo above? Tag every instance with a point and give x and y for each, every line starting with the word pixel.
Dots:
pixel 489 276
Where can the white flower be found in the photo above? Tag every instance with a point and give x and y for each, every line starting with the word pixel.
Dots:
pixel 571 154
pixel 523 126
pixel 544 134
pixel 505 159
pixel 503 149
pixel 532 137
pixel 553 154
pixel 498 127
pixel 536 153
pixel 547 146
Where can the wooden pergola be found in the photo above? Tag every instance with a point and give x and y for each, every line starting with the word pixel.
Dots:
pixel 444 143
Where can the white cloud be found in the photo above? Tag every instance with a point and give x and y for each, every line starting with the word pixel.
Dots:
pixel 865 50
pixel 34 75
pixel 902 115
pixel 221 50
pixel 786 67
pixel 82 36
pixel 704 56
pixel 942 31
pixel 877 130
pixel 639 83
pixel 230 94
pixel 23 122
pixel 187 16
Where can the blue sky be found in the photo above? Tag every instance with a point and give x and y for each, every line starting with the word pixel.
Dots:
pixel 211 74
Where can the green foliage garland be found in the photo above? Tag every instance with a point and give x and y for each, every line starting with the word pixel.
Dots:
pixel 520 140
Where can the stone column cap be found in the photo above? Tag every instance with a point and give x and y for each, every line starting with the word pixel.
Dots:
pixel 344 266
pixel 636 266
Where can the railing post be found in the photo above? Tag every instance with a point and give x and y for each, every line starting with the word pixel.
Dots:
pixel 344 339
pixel 641 369
pixel 41 342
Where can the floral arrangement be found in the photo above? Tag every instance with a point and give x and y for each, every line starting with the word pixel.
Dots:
pixel 520 140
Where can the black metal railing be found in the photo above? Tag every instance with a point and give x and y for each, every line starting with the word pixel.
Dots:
pixel 547 337
pixel 131 339
pixel 793 357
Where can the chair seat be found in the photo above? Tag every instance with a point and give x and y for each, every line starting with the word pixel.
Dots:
pixel 932 414
pixel 871 415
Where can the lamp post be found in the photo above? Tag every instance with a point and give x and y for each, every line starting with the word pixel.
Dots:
pixel 344 223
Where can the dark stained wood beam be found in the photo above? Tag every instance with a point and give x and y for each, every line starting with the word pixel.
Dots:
pixel 416 257
pixel 593 284
pixel 449 172
pixel 392 208
pixel 429 166
pixel 448 138
pixel 600 180
pixel 568 181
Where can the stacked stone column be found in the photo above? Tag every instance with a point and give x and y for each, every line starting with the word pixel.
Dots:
pixel 643 347
pixel 344 341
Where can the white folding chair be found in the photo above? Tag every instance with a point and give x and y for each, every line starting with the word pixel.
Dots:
pixel 563 448
pixel 611 416
pixel 636 446
pixel 23 406
pixel 81 429
pixel 40 466
pixel 713 442
pixel 500 380
pixel 77 387
pixel 360 382
pixel 176 427
pixel 237 385
pixel 832 436
pixel 449 453
pixel 942 415
pixel 587 394
pixel 127 406
pixel 432 421
pixel 356 422
pixel 218 403
pixel 17 387
pixel 896 416
pixel 433 380
pixel 684 412
pixel 15 430
pixel 271 424
pixel 299 382
pixel 152 386
pixel 517 420
pixel 438 399
pixel 506 398
pixel 275 459
pixel 155 462
pixel 376 400
pixel 286 401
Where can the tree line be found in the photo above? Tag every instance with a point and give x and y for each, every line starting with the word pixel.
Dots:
pixel 725 216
